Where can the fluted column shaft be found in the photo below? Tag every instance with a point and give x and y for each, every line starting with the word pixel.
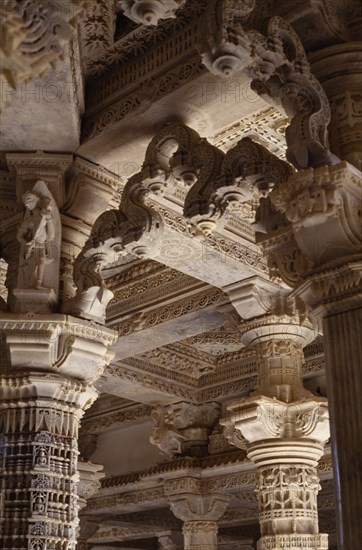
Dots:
pixel 343 356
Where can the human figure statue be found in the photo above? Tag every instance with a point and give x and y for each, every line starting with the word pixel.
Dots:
pixel 37 234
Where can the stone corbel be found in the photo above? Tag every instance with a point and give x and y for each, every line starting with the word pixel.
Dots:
pixel 130 229
pixel 150 12
pixel 280 73
pixel 183 428
pixel 248 169
pixel 67 346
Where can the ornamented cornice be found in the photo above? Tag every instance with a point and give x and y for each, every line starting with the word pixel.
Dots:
pixel 147 92
pixel 174 310
pixel 174 37
pixel 110 419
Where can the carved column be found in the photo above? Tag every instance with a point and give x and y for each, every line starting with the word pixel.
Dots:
pixel 44 390
pixel 338 68
pixel 283 428
pixel 198 510
pixel 327 202
pixel 50 360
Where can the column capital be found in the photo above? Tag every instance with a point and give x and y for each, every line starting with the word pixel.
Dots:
pixel 58 343
pixel 333 290
pixel 190 504
pixel 324 201
pixel 90 475
pixel 28 168
pixel 272 430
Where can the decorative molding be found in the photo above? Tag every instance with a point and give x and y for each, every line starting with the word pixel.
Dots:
pixel 110 419
pixel 266 127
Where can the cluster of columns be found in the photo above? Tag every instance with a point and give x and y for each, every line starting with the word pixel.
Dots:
pixel 53 360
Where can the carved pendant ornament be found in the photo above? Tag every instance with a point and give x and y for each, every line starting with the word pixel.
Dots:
pixel 150 12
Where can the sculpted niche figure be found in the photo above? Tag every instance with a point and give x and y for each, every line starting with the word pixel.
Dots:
pixel 39 235
pixel 36 234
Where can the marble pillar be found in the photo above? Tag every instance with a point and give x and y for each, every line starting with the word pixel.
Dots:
pixel 45 387
pixel 283 428
pixel 327 202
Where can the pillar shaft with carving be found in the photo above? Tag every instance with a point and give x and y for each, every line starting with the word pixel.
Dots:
pixel 40 420
pixel 327 201
pixel 45 388
pixel 283 428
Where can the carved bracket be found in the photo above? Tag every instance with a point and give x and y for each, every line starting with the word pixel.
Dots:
pixel 184 428
pixel 247 169
pixel 280 73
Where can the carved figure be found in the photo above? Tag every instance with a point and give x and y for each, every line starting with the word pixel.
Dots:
pixel 36 234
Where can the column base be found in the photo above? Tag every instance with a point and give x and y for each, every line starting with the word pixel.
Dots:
pixel 293 542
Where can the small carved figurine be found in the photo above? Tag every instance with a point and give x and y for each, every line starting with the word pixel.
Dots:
pixel 36 233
